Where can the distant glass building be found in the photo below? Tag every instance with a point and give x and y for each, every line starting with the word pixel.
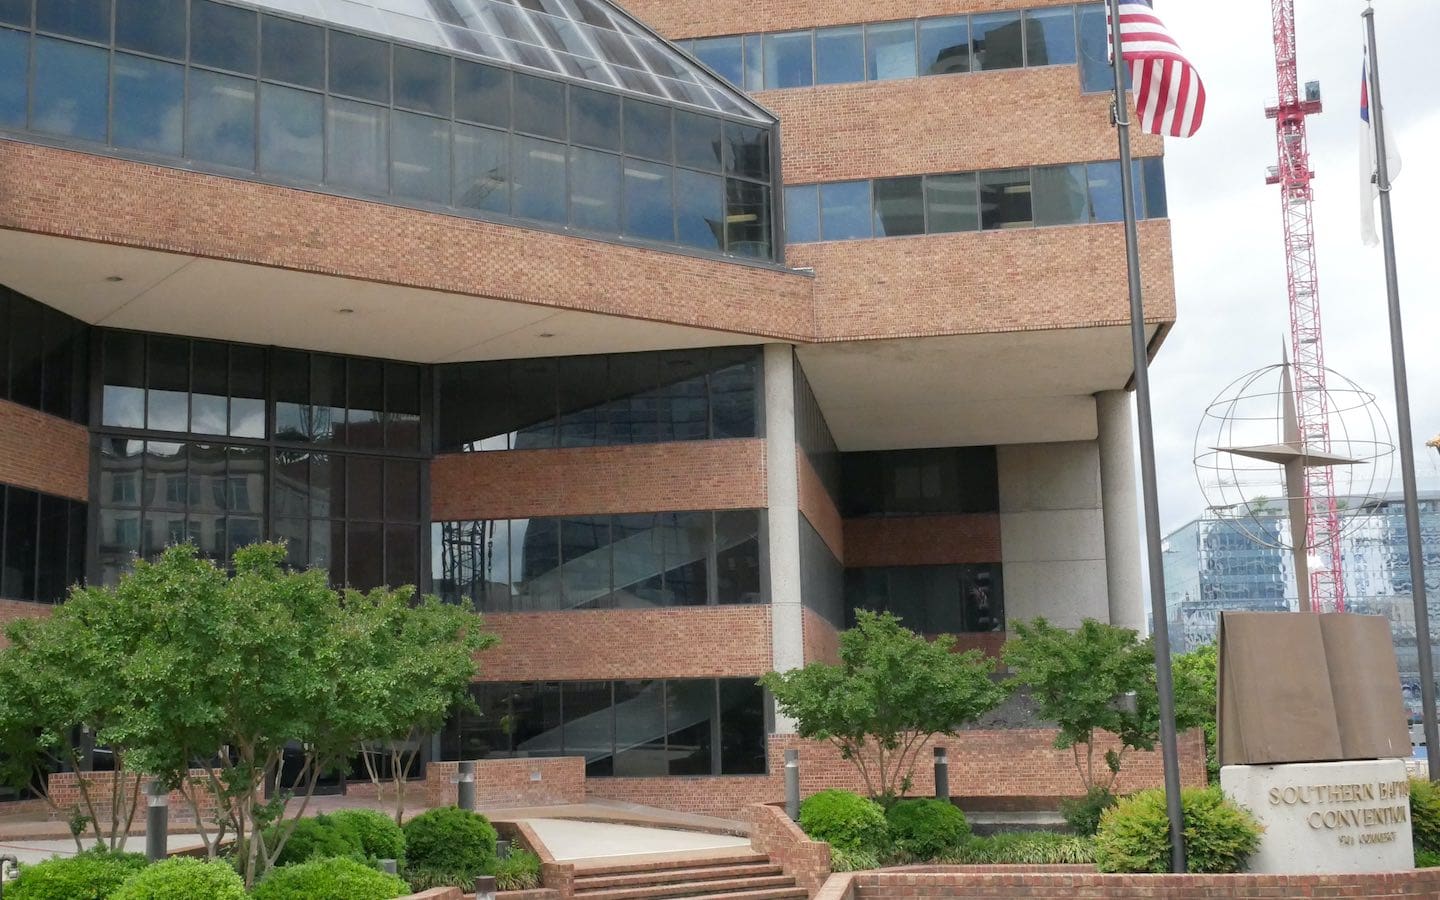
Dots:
pixel 1211 566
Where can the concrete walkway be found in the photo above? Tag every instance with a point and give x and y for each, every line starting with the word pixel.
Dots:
pixel 33 851
pixel 570 839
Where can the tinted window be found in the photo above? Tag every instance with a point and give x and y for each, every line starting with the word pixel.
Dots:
pixel 538 173
pixel 890 51
pixel 998 41
pixel 482 94
pixel 422 80
pixel 220 127
pixel 697 141
pixel 482 169
pixel 1105 193
pixel 71 87
pixel 149 104
pixel 151 26
pixel 747 218
pixel 649 210
pixel 647 130
pixel 754 62
pixel 1095 71
pixel 356 152
pixel 86 19
pixel 899 206
pixel 845 210
pixel 1156 205
pixel 1005 198
pixel 788 61
pixel 292 51
pixel 747 151
pixel 420 157
pixel 14 71
pixel 222 36
pixel 539 106
pixel 359 67
pixel 951 203
pixel 594 190
pixel 802 214
pixel 594 118
pixel 698 217
pixel 15 12
pixel 944 45
pixel 292 124
pixel 1060 196
pixel 723 55
pixel 1050 37
pixel 839 55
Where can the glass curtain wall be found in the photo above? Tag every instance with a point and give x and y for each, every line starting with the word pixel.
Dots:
pixel 961 599
pixel 42 545
pixel 44 355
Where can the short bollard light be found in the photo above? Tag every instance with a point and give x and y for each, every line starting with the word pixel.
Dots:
pixel 484 887
pixel 502 849
pixel 7 864
pixel 465 786
pixel 942 774
pixel 389 867
pixel 792 784
pixel 157 821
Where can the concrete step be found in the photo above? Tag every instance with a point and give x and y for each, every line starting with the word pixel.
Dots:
pixel 686 872
pixel 790 893
pixel 697 861
pixel 680 887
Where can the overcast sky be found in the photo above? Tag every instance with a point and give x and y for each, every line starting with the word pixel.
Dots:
pixel 1229 264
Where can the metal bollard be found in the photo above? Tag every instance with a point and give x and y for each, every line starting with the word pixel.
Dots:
pixel 792 784
pixel 484 887
pixel 389 867
pixel 157 821
pixel 7 862
pixel 942 774
pixel 466 786
pixel 502 849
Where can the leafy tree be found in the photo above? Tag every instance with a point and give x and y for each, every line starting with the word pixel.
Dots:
pixel 892 691
pixel 1077 679
pixel 1196 698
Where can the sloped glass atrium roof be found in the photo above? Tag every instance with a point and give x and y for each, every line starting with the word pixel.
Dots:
pixel 585 39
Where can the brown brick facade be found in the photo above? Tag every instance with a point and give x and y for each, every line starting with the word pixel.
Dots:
pixel 772 833
pixel 580 645
pixel 498 782
pixel 821 639
pixel 686 18
pixel 689 475
pixel 61 192
pixel 979 282
pixel 922 540
pixel 947 882
pixel 43 453
pixel 13 610
pixel 819 508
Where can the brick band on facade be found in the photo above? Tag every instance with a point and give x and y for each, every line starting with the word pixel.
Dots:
pixel 43 453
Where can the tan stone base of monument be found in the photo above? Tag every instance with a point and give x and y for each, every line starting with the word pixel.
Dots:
pixel 1327 817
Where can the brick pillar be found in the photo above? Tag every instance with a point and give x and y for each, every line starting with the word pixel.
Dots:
pixel 783 520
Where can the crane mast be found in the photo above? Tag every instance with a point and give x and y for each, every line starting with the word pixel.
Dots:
pixel 1293 175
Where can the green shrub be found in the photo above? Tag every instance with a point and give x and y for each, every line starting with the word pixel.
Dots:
pixel 425 879
pixel 852 860
pixel 1134 834
pixel 1425 814
pixel 924 829
pixel 1427 859
pixel 1035 848
pixel 321 837
pixel 337 878
pixel 450 839
pixel 845 820
pixel 92 875
pixel 183 878
pixel 379 836
pixel 1083 813
pixel 520 871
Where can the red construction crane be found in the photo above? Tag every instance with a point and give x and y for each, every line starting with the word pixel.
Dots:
pixel 1293 174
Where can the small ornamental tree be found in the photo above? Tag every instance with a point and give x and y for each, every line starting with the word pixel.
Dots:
pixel 1077 680
pixel 892 691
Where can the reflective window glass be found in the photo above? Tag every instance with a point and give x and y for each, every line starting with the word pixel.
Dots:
pixel 737 557
pixel 1095 71
pixel 1005 198
pixel 951 203
pixel 649 210
pixel 359 67
pixel 422 80
pixel 802 214
pixel 697 141
pixel 944 45
pixel 292 133
pixel 845 210
pixel 692 726
pixel 123 400
pixel 151 26
pixel 356 152
pixel 1050 36
pixel 747 151
pixel 26 357
pixel 724 56
pixel 247 391
pixel 14 71
pixel 742 727
pixel 420 157
pixel 585 559
pixel 85 19
pixel 747 218
pixel 582 399
pixel 594 118
pixel 998 41
pixel 209 412
pixel 840 55
pixel 594 190
pixel 220 127
pixel 647 130
pixel 589 725
pixel 539 106
pixel 1156 205
pixel 699 219
pixel 538 171
pixel 533 385
pixel 899 206
pixel 15 12
pixel 71 89
pixel 292 51
pixel 1060 197
pixel 681 403
pixel 167 382
pixel 754 62
pixel 640 729
pixel 22 511
pixel 1106 197
pixel 149 106
pixel 890 51
pixel 482 169
pixel 223 36
pixel 482 93
pixel 788 60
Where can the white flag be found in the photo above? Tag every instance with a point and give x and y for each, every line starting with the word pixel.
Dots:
pixel 1369 165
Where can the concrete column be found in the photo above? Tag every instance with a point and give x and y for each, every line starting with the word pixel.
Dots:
pixel 787 617
pixel 1121 509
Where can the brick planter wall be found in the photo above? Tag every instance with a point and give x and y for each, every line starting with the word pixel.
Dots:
pixel 498 782
pixel 772 833
pixel 64 788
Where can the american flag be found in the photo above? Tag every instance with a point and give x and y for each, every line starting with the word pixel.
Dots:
pixel 1168 93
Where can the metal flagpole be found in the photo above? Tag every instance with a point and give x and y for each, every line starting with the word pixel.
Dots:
pixel 1164 677
pixel 1402 415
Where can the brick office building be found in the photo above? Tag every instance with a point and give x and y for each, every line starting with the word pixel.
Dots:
pixel 663 365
